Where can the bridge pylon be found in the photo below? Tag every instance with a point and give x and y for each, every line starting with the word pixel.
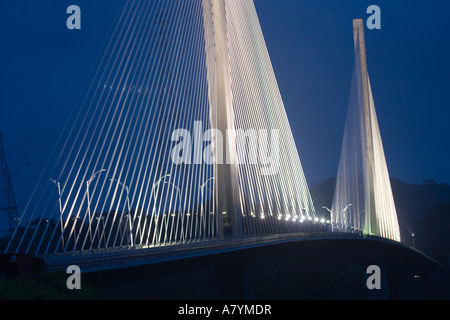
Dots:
pixel 363 200
pixel 226 184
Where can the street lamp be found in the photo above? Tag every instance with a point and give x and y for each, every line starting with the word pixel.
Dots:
pixel 178 190
pixel 204 184
pixel 326 209
pixel 129 210
pixel 8 197
pixel 60 210
pixel 152 192
pixel 157 183
pixel 102 219
pixel 201 189
pixel 179 203
pixel 74 227
pixel 160 179
pixel 203 216
pixel 18 168
pixel 88 200
pixel 315 198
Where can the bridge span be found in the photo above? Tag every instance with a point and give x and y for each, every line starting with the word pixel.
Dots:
pixel 363 246
pixel 302 266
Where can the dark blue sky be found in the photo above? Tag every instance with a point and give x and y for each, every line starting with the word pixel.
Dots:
pixel 44 66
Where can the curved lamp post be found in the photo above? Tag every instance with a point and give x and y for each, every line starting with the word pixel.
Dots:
pixel 89 201
pixel 60 210
pixel 129 209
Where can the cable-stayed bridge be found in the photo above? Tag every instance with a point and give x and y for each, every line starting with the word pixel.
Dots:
pixel 181 145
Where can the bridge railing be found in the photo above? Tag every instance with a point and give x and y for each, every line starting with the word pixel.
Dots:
pixel 96 260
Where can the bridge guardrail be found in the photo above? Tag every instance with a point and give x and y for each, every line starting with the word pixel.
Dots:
pixel 102 259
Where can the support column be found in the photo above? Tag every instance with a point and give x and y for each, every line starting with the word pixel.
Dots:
pixel 360 45
pixel 226 183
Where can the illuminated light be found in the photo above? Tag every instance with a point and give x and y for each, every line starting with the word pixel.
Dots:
pixel 224 212
pixel 322 220
pixel 316 219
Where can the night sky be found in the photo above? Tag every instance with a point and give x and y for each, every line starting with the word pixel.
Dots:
pixel 44 67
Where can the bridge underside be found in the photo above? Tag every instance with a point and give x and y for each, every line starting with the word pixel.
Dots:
pixel 320 267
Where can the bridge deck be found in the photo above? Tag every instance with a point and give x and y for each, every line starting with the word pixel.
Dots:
pixel 98 260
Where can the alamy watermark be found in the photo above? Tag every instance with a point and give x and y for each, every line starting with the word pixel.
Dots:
pixel 244 147
pixel 374 279
pixel 74 280
pixel 73 22
pixel 374 21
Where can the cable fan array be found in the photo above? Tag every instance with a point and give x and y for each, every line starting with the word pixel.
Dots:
pixel 271 203
pixel 111 182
